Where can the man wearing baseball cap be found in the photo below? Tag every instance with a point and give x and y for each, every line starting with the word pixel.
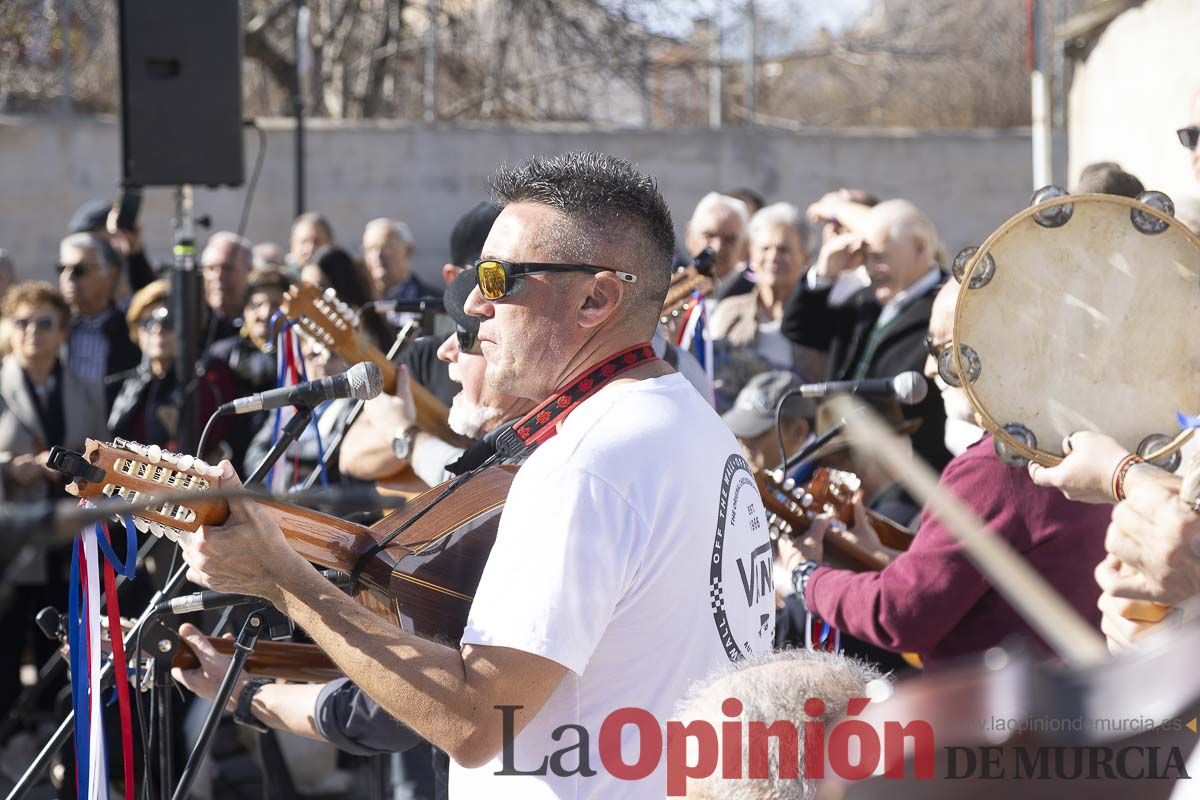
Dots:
pixel 752 419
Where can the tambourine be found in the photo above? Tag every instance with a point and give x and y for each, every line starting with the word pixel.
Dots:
pixel 1077 314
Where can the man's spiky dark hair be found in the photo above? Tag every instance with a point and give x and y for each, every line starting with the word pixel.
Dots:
pixel 593 189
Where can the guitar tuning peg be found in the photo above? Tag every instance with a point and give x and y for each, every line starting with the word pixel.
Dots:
pixel 154 454
pixel 185 462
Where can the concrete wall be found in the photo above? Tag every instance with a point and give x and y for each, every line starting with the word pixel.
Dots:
pixel 1132 92
pixel 969 182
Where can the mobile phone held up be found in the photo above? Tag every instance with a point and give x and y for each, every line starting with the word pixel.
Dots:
pixel 128 206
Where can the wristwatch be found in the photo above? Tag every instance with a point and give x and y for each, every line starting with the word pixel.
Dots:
pixel 242 714
pixel 800 576
pixel 402 443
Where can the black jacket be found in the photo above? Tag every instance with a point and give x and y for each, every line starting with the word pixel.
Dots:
pixel 843 333
pixel 123 355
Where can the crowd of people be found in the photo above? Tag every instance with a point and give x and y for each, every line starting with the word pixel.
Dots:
pixel 850 286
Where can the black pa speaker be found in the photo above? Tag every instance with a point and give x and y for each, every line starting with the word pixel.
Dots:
pixel 181 92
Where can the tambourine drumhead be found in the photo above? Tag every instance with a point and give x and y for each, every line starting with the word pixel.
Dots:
pixel 1086 326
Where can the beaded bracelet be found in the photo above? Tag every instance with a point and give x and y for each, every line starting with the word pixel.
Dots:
pixel 1118 480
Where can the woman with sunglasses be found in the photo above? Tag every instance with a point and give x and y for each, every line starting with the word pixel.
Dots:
pixel 42 404
pixel 147 407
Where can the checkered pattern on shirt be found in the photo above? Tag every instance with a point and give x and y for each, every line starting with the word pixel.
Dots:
pixel 87 351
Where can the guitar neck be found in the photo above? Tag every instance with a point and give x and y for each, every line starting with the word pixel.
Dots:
pixel 289 661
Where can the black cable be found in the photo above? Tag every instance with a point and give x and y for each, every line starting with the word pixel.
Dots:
pixel 207 427
pixel 248 199
pixel 779 429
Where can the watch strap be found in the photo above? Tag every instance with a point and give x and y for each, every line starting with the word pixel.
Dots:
pixel 243 714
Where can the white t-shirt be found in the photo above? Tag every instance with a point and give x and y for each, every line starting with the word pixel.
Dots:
pixel 633 550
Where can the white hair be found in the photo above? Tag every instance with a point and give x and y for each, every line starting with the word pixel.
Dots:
pixel 771 688
pixel 243 246
pixel 395 228
pixel 905 220
pixel 723 201
pixel 781 214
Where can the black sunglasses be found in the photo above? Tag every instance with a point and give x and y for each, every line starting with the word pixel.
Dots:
pixel 39 324
pixel 1189 136
pixel 75 270
pixel 934 349
pixel 467 341
pixel 497 277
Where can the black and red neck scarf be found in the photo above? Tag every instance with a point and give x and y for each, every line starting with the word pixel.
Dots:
pixel 524 435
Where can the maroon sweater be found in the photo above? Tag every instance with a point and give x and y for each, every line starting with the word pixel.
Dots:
pixel 933 602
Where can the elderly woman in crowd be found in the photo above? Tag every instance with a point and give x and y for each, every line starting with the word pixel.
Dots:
pixel 42 404
pixel 147 407
pixel 779 255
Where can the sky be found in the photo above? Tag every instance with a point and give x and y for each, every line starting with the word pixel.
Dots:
pixel 784 25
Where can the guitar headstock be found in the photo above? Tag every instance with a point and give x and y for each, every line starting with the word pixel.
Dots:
pixel 137 473
pixel 324 317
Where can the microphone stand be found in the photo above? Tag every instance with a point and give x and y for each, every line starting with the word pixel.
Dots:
pixel 42 762
pixel 241 651
pixel 251 628
pixel 335 443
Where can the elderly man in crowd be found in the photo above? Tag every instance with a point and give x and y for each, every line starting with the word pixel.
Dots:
pixel 310 232
pixel 387 247
pixel 879 331
pixel 99 343
pixel 719 222
pixel 225 264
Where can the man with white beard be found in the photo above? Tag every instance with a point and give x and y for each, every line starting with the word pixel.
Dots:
pixel 386 436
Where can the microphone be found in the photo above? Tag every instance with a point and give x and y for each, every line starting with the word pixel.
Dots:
pixel 208 599
pixel 361 382
pixel 909 388
pixel 203 601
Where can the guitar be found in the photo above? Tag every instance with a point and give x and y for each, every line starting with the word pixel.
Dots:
pixel 792 507
pixel 685 282
pixel 321 315
pixel 423 581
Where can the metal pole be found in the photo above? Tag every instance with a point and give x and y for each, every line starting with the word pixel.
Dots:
pixel 303 64
pixel 751 61
pixel 64 27
pixel 714 70
pixel 1039 97
pixel 185 302
pixel 431 60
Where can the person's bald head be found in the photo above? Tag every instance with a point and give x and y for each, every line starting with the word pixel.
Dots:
pixel 902 245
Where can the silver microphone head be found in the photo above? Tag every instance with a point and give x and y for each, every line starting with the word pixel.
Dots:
pixel 366 381
pixel 910 387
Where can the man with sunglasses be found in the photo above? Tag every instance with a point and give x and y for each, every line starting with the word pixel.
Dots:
pixel 632 556
pixel 99 343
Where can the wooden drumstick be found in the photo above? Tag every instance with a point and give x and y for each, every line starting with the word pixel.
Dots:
pixel 1035 600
